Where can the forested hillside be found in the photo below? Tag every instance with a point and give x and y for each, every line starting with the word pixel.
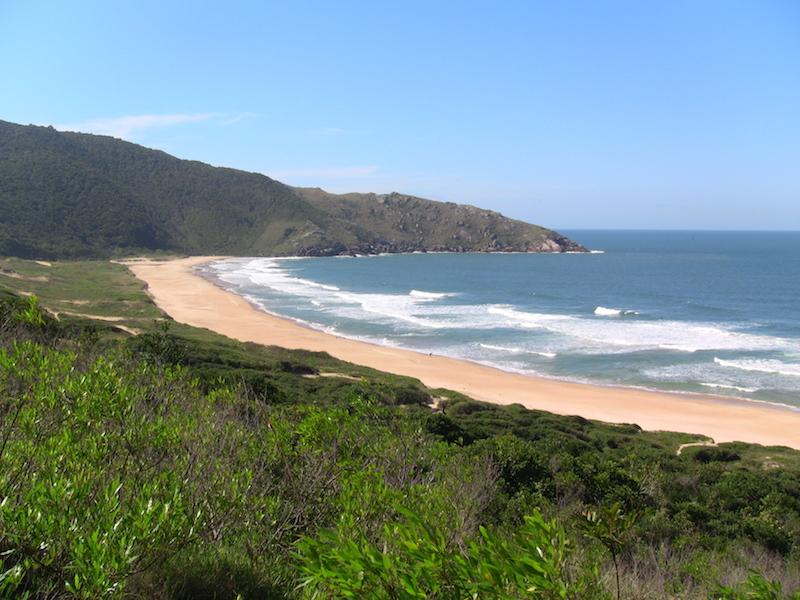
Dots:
pixel 68 194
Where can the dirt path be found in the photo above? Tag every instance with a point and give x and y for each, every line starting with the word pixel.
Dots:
pixel 682 447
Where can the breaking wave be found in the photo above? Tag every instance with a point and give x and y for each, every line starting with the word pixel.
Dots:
pixel 602 311
pixel 429 295
pixel 514 350
pixel 735 388
pixel 642 335
pixel 761 366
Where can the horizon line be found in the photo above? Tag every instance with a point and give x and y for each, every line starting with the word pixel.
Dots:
pixel 675 229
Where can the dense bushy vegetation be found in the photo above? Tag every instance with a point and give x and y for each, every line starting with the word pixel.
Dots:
pixel 168 465
pixel 68 194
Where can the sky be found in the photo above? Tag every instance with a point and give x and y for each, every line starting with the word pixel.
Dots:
pixel 616 114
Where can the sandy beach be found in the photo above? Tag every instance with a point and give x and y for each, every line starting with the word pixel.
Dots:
pixel 191 299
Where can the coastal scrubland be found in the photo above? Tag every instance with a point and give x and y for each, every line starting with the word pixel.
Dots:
pixel 142 458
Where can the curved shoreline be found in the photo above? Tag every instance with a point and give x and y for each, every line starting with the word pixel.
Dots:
pixel 558 379
pixel 192 299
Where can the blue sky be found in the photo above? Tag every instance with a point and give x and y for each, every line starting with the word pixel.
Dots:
pixel 611 114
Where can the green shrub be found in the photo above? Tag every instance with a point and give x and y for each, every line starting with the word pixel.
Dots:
pixel 755 587
pixel 102 472
pixel 414 560
pixel 707 455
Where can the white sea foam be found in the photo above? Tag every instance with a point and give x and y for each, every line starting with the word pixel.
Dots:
pixel 502 348
pixel 724 386
pixel 711 375
pixel 641 335
pixel 602 311
pixel 429 295
pixel 520 317
pixel 761 366
pixel 269 273
pixel 514 350
pixel 401 307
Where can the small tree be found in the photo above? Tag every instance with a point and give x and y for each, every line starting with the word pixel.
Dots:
pixel 610 526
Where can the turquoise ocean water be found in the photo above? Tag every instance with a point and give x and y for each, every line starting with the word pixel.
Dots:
pixel 712 312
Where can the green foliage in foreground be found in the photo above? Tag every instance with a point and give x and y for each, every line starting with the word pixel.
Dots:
pixel 148 468
pixel 755 587
pixel 69 525
pixel 416 560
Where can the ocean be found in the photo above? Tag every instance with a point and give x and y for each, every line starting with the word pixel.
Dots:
pixel 708 312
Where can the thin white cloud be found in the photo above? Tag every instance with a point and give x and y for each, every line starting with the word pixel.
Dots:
pixel 325 172
pixel 232 119
pixel 129 125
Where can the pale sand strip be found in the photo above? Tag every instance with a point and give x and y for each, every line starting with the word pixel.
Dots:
pixel 191 299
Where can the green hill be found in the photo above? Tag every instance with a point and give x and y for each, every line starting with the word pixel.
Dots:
pixel 66 194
